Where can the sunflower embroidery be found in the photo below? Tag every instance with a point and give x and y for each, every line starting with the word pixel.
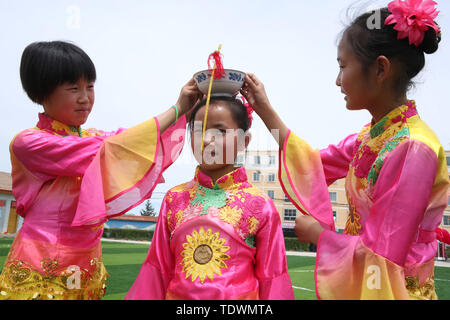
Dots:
pixel 204 255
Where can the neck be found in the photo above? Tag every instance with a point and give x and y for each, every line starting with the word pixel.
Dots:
pixel 69 125
pixel 216 174
pixel 383 107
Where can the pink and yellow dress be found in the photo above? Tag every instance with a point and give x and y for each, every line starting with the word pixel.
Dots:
pixel 67 182
pixel 220 241
pixel 397 190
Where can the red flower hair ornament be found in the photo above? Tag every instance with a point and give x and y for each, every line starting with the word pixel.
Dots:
pixel 413 18
pixel 249 109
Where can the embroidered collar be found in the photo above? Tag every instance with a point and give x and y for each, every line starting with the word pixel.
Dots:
pixel 397 115
pixel 227 181
pixel 48 124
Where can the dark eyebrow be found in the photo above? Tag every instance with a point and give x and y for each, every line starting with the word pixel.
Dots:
pixel 220 125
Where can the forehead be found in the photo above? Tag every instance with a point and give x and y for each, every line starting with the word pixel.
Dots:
pixel 217 110
pixel 343 51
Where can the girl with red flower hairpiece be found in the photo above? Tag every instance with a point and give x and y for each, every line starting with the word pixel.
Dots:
pixel 395 168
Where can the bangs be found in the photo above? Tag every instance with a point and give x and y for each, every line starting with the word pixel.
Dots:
pixel 46 65
pixel 71 65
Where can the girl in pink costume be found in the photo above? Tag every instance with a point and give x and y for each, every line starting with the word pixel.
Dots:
pixel 395 170
pixel 68 181
pixel 217 236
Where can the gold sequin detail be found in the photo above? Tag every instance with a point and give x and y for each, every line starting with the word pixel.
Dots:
pixel 424 291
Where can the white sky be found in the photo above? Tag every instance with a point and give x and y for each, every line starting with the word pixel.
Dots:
pixel 144 51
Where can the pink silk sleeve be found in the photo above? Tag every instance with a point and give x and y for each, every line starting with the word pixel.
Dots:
pixel 126 169
pixel 305 174
pixel 49 156
pixel 336 159
pixel 370 266
pixel 157 269
pixel 271 266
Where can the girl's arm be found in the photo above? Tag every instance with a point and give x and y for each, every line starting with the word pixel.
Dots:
pixel 189 95
pixel 304 173
pixel 255 94
pixel 270 265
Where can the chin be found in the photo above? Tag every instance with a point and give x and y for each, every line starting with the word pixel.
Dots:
pixel 211 167
pixel 352 107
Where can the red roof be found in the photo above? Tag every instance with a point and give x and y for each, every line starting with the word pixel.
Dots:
pixel 135 218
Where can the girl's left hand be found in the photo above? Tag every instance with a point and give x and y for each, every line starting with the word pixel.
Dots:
pixel 189 96
pixel 307 229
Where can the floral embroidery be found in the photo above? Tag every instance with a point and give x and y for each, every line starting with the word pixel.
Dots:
pixel 204 255
pixel 253 225
pixel 21 281
pixel 352 226
pixel 232 199
pixel 230 215
pixel 55 127
pixel 377 140
pixel 49 265
pixel 250 240
pixel 374 172
pixel 422 291
pixel 207 198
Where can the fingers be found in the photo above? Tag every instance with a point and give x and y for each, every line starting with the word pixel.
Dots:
pixel 249 82
pixel 254 79
pixel 191 82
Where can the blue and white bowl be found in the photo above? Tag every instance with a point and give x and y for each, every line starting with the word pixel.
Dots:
pixel 230 83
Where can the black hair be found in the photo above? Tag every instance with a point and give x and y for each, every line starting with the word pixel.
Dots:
pixel 368 43
pixel 46 65
pixel 238 111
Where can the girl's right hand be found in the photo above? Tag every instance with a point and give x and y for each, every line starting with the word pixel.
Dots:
pixel 189 96
pixel 253 90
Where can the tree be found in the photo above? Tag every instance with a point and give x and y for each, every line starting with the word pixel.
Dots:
pixel 148 211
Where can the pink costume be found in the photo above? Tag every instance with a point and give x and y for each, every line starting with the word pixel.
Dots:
pixel 67 182
pixel 215 242
pixel 397 190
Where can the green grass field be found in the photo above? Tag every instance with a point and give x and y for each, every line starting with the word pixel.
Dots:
pixel 123 262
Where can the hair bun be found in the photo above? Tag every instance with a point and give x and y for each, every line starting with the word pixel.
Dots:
pixel 431 41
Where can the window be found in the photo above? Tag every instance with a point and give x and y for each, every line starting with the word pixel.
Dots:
pixel 257 160
pixel 256 176
pixel 333 196
pixel 448 161
pixel 271 160
pixel 240 160
pixel 290 214
pixel 286 199
pixel 271 194
pixel 446 221
pixel 272 177
pixel 334 215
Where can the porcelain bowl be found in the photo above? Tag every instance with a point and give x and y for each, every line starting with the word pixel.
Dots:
pixel 230 83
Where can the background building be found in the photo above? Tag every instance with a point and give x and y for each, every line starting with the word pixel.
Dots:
pixel 262 172
pixel 9 220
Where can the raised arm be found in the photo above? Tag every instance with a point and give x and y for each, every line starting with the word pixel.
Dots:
pixel 255 94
